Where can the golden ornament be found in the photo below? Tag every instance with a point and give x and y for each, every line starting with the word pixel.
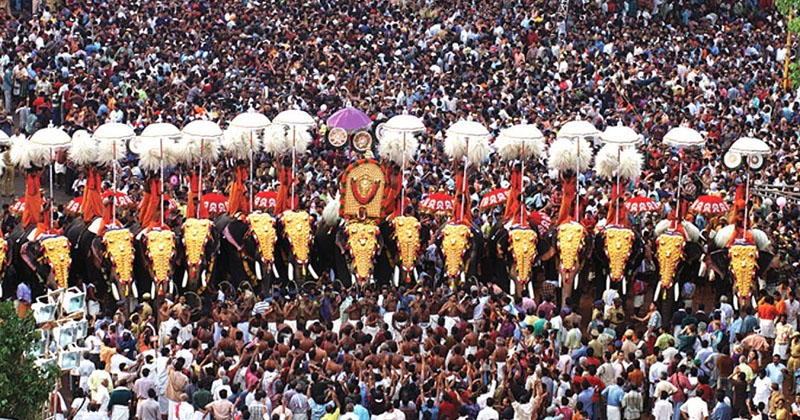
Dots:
pixel 743 265
pixel 619 242
pixel 297 227
pixel 523 249
pixel 669 251
pixel 406 232
pixel 3 253
pixel 196 233
pixel 119 249
pixel 160 250
pixel 262 226
pixel 570 242
pixel 455 241
pixel 56 252
pixel 362 239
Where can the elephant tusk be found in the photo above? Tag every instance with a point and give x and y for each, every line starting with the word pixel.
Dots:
pixel 396 276
pixel 115 291
pixel 312 272
pixel 371 279
pixel 203 278
pixel 275 272
pixel 560 280
pixel 185 278
pixel 353 279
pixel 171 287
pixel 658 289
pixel 676 288
pixel 291 272
pixel 575 281
pixel 624 286
pixel 463 277
pixel 416 276
pixel 702 271
pixel 608 281
pixel 512 286
pixel 711 275
pixel 736 301
pixel 530 289
pixel 153 289
pixel 752 301
pixel 134 289
pixel 258 271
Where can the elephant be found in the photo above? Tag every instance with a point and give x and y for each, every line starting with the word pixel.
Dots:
pixel 106 258
pixel 574 248
pixel 678 256
pixel 155 251
pixel 460 246
pixel 739 263
pixel 500 261
pixel 41 269
pixel 614 262
pixel 197 246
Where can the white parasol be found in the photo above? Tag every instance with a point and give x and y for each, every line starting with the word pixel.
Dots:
pixel 682 138
pixel 294 119
pixel 749 146
pixel 397 127
pixel 204 131
pixel 51 138
pixel 111 138
pixel 578 130
pixel 467 140
pixel 250 122
pixel 159 132
pixel 620 136
pixel 519 142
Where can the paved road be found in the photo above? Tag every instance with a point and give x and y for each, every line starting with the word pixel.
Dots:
pixel 19 190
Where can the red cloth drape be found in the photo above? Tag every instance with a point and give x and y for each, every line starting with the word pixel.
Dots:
pixel 513 204
pixel 150 212
pixel 237 202
pixel 108 218
pixel 92 204
pixel 282 198
pixel 194 188
pixel 565 212
pixel 391 191
pixel 737 217
pixel 32 214
pixel 462 190
pixel 616 200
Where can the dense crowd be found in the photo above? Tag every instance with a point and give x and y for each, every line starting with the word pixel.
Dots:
pixel 431 353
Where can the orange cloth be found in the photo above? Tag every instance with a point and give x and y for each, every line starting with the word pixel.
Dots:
pixel 616 200
pixel 737 217
pixel 237 202
pixel 92 204
pixel 462 190
pixel 282 197
pixel 391 191
pixel 33 199
pixel 513 204
pixel 108 219
pixel 151 207
pixel 565 213
pixel 194 188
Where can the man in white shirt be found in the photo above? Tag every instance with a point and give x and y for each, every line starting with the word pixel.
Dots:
pixel 662 410
pixel 792 309
pixel 695 408
pixel 761 388
pixel 488 412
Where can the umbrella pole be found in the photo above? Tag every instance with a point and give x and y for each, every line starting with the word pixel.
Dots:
pixel 251 169
pixel 403 179
pixel 200 180
pixel 616 198
pixel 680 176
pixel 161 164
pixel 114 183
pixel 464 182
pixel 521 187
pixel 52 163
pixel 746 202
pixel 294 158
pixel 578 182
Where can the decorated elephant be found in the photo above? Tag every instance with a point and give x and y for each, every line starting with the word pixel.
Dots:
pixel 197 247
pixel 678 256
pixel 514 253
pixel 618 252
pixel 460 246
pixel 574 246
pixel 40 260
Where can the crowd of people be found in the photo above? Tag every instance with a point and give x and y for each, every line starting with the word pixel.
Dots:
pixel 431 353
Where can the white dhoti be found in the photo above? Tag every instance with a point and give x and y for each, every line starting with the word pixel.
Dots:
pixel 434 320
pixel 292 323
pixel 171 412
pixel 337 324
pixel 449 323
pixel 272 327
pixel 471 350
pixel 163 405
pixel 119 412
pixel 613 413
pixel 782 350
pixel 767 328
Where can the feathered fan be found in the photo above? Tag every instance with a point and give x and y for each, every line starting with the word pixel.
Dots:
pixel 25 155
pixel 110 150
pixel 151 156
pixel 391 147
pixel 83 150
pixel 629 163
pixel 456 146
pixel 563 155
pixel 278 139
pixel 236 142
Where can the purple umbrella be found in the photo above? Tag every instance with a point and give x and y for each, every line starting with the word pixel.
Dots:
pixel 349 119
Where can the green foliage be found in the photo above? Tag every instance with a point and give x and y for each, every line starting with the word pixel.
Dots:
pixel 794 74
pixel 24 387
pixel 787 6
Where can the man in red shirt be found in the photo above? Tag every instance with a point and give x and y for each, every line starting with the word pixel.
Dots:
pixel 766 315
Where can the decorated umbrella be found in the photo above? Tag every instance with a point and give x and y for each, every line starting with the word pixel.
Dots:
pixel 542 220
pixel 266 199
pixel 638 205
pixel 349 119
pixel 520 141
pixel 398 144
pixel 215 203
pixel 749 147
pixel 467 140
pixel 18 207
pixel 438 202
pixel 682 138
pixel 251 122
pixel 51 138
pixel 162 134
pixel 73 207
pixel 295 119
pixel 493 198
pixel 619 136
pixel 710 205
pixel 117 134
pixel 209 136
pixel 120 198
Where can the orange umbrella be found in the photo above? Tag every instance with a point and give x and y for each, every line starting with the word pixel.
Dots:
pixel 215 203
pixel 436 203
pixel 709 204
pixel 641 205
pixel 494 198
pixel 120 198
pixel 74 206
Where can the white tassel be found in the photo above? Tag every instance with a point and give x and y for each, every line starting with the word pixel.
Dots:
pixel 330 214
pixel 723 236
pixel 106 151
pixel 530 289
pixel 291 272
pixel 275 272
pixel 185 278
pixel 115 291
pixel 258 271
pixel 312 272
pixel 396 276
pixel 658 289
pixel 82 150
pixel 203 280
pixel 478 150
pixel 606 162
pixel 391 147
pixel 630 163
pixel 561 155
pixel 134 289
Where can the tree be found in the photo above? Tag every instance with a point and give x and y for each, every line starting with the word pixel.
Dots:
pixel 790 8
pixel 24 387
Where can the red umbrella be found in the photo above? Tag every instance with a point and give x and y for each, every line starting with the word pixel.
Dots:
pixel 709 204
pixel 542 221
pixel 265 200
pixel 436 203
pixel 215 203
pixel 120 198
pixel 74 206
pixel 641 205
pixel 18 206
pixel 494 198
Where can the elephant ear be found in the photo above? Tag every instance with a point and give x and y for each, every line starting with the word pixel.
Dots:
pixel 719 261
pixel 764 262
pixel 692 251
